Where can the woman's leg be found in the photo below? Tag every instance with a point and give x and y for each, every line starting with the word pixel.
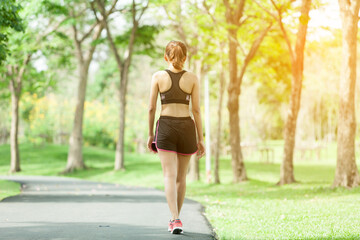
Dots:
pixel 182 167
pixel 169 166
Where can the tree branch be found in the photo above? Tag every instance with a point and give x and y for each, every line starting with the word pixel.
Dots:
pixel 95 37
pixel 133 11
pixel 105 15
pixel 111 9
pixel 254 47
pixel 143 10
pixel 355 7
pixel 40 37
pixel 228 14
pixel 21 72
pixel 118 59
pixel 86 35
pixel 207 9
pixel 179 28
pixel 267 11
pixel 77 42
pixel 282 27
pixel 239 11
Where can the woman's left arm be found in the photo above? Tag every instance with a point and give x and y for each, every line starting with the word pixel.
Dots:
pixel 154 89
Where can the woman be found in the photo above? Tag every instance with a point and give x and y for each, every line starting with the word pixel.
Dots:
pixel 175 134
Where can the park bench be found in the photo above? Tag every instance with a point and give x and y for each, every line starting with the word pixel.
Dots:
pixel 307 151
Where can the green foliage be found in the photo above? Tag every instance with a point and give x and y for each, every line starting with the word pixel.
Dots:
pixel 272 69
pixel 54 8
pixel 9 18
pixel 40 41
pixel 105 82
pixel 48 119
pixel 144 42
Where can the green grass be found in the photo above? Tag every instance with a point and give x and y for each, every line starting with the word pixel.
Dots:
pixel 8 188
pixel 255 209
pixel 50 160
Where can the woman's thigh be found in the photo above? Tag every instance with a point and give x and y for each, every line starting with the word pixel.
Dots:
pixel 168 163
pixel 182 165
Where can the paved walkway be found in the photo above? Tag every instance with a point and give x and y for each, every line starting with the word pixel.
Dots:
pixel 67 208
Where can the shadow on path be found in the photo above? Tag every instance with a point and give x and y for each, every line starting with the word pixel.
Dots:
pixel 96 230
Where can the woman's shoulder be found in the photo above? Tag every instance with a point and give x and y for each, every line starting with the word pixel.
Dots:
pixel 191 75
pixel 159 74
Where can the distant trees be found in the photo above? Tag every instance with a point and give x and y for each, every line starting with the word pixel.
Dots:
pixel 347 174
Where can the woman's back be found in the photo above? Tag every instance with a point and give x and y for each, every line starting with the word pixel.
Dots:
pixel 186 85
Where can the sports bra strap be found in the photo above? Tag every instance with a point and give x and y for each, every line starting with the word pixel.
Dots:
pixel 175 94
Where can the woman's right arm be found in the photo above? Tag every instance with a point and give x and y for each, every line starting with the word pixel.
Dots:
pixel 152 108
pixel 195 99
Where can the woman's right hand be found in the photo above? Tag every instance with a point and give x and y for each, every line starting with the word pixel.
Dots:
pixel 201 149
pixel 149 142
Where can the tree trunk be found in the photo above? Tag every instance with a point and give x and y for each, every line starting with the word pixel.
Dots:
pixel 347 174
pixel 218 130
pixel 207 129
pixel 297 62
pixel 119 155
pixel 239 172
pixel 194 171
pixel 194 168
pixel 75 159
pixel 287 168
pixel 16 75
pixel 14 146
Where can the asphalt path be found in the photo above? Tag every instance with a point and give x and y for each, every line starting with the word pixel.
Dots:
pixel 64 208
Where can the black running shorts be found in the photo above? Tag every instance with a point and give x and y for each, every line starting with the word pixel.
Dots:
pixel 175 134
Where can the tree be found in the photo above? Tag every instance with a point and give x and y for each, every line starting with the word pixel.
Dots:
pixel 85 35
pixel 234 17
pixel 9 18
pixel 23 47
pixel 123 63
pixel 219 116
pixel 346 173
pixel 297 65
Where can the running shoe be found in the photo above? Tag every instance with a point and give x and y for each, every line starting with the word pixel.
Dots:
pixel 170 225
pixel 177 227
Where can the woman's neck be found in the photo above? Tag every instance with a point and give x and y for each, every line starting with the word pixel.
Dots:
pixel 175 70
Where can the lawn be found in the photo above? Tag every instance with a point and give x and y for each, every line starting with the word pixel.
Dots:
pixel 255 209
pixel 8 188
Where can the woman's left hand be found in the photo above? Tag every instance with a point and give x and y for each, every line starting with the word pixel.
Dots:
pixel 150 140
pixel 201 149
